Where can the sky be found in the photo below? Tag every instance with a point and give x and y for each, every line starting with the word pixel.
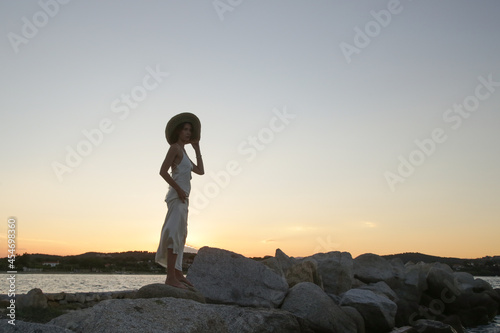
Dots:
pixel 358 126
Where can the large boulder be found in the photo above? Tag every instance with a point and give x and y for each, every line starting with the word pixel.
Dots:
pixel 230 278
pixel 303 271
pixel 371 268
pixel 440 279
pixel 379 312
pixel 284 260
pixel 158 290
pixel 175 315
pixel 308 301
pixel 246 320
pixel 415 282
pixel 381 288
pixel 335 270
pixel 356 317
pixel 144 315
pixel 433 326
pixel 27 327
pixel 464 281
pixel 33 299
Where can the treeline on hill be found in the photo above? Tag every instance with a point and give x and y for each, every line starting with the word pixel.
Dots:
pixel 131 261
pixel 486 266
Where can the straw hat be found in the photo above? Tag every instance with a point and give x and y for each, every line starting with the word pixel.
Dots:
pixel 185 117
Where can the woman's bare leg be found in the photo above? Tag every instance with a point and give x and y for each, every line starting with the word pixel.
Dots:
pixel 171 274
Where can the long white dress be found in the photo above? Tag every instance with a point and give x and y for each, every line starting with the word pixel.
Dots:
pixel 174 230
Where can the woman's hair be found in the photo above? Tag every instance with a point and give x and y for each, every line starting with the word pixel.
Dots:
pixel 178 130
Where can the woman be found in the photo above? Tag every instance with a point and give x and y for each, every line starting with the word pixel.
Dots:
pixel 182 129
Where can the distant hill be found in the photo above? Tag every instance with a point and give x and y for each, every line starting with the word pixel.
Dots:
pixel 417 257
pixel 486 266
pixel 144 261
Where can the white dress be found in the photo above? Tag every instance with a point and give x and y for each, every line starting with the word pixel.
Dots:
pixel 174 230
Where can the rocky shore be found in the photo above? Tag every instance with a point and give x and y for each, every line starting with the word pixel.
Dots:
pixel 326 292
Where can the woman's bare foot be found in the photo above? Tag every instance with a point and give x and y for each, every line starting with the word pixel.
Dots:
pixel 175 283
pixel 180 277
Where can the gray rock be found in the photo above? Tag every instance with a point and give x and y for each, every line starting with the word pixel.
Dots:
pixel 230 278
pixel 27 327
pixel 55 296
pixel 439 279
pixel 284 260
pixel 304 271
pixel 33 299
pixel 274 265
pixel 415 282
pixel 153 315
pixel 70 298
pixel 432 326
pixel 378 311
pixel 336 271
pixel 371 268
pixel 356 317
pixel 464 281
pixel 481 285
pixel 308 301
pixel 159 290
pixel 176 315
pixel 246 320
pixel 405 329
pixel 381 288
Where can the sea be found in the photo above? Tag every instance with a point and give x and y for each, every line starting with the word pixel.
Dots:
pixel 76 283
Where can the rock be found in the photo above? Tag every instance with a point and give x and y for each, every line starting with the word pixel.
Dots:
pixel 454 321
pixel 55 297
pixel 480 285
pixel 229 278
pixel 242 320
pixel 415 282
pixel 371 268
pixel 274 265
pixel 70 298
pixel 335 270
pixel 175 315
pixel 284 261
pixel 439 280
pixel 381 288
pixel 304 271
pixel 405 329
pixel 406 312
pixel 432 326
pixel 398 268
pixel 27 327
pixel 80 298
pixel 466 282
pixel 356 317
pixel 144 315
pixel 33 299
pixel 308 301
pixel 159 290
pixel 378 311
pixel 463 281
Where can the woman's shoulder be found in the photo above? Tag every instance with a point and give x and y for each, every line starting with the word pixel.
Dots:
pixel 174 147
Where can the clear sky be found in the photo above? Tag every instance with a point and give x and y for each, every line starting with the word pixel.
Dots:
pixel 359 126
